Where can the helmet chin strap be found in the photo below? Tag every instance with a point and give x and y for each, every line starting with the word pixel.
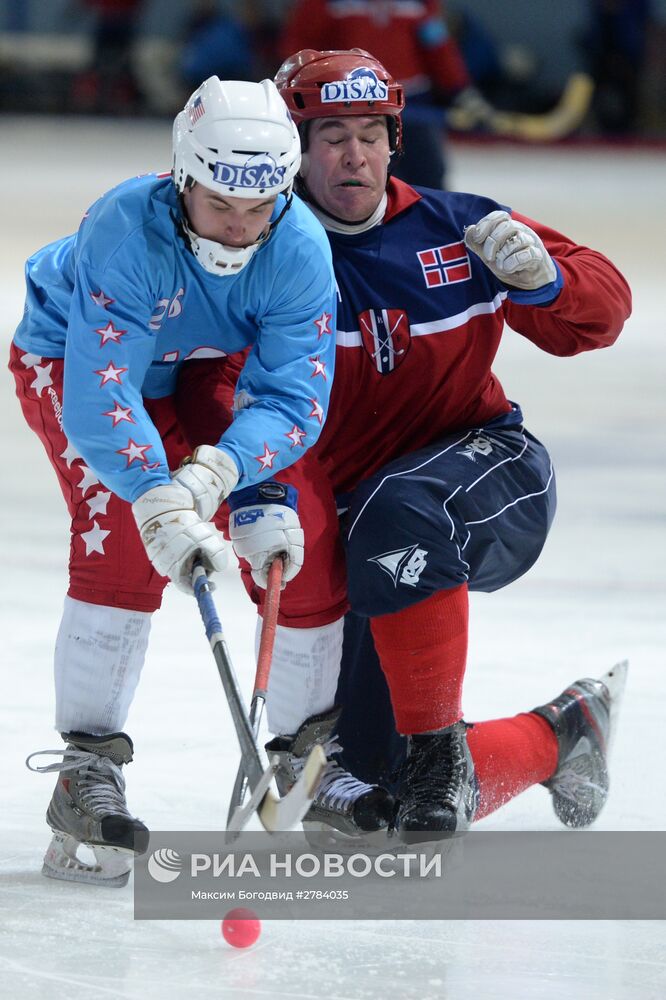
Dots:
pixel 218 258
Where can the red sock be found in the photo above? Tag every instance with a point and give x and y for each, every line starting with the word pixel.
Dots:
pixel 510 755
pixel 422 650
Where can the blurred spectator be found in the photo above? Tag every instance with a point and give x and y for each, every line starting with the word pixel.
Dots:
pixel 478 48
pixel 615 46
pixel 218 43
pixel 506 73
pixel 411 38
pixel 109 86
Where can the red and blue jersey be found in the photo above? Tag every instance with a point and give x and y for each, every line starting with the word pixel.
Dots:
pixel 420 320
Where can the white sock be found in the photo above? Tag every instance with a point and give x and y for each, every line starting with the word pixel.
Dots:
pixel 98 659
pixel 304 674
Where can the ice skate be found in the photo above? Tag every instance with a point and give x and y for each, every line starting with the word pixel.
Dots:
pixel 584 718
pixel 437 794
pixel 342 803
pixel 88 808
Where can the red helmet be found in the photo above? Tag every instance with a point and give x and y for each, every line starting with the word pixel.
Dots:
pixel 317 84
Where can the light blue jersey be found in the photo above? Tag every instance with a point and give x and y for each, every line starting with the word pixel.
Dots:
pixel 125 302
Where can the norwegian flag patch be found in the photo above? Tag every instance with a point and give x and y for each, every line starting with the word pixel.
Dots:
pixel 445 265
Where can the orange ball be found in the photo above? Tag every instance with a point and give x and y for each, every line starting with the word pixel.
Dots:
pixel 241 927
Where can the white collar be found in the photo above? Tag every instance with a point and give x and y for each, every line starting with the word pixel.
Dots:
pixel 350 228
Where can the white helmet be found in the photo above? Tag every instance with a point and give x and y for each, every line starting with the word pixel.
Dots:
pixel 237 139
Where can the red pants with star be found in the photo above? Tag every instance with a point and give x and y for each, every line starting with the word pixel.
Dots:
pixel 108 564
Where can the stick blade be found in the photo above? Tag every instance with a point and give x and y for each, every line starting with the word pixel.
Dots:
pixel 236 800
pixel 285 813
pixel 260 793
pixel 616 681
pixel 278 815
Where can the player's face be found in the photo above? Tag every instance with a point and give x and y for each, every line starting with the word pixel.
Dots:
pixel 346 164
pixel 235 222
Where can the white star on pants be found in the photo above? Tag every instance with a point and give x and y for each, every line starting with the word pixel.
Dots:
pixel 43 380
pixel 94 538
pixel 30 360
pixel 88 479
pixel 70 454
pixel 98 503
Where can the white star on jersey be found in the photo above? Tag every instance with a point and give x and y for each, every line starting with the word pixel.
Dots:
pixel 110 374
pixel 94 539
pixel 43 380
pixel 88 479
pixel 296 436
pixel 319 368
pixel 100 299
pixel 99 503
pixel 322 324
pixel 316 411
pixel 119 414
pixel 266 460
pixel 134 452
pixel 109 333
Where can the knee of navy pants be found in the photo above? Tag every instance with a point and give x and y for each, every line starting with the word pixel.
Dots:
pixel 473 507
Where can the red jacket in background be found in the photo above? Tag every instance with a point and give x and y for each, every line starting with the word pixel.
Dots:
pixel 409 37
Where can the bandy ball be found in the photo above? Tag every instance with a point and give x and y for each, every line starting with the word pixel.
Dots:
pixel 241 927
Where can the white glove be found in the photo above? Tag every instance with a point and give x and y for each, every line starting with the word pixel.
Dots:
pixel 174 534
pixel 512 251
pixel 210 475
pixel 264 530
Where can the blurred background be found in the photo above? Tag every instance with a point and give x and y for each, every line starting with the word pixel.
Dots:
pixel 144 57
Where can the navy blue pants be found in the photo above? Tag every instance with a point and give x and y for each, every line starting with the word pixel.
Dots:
pixel 473 507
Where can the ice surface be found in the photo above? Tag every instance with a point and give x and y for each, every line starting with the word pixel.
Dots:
pixel 596 596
